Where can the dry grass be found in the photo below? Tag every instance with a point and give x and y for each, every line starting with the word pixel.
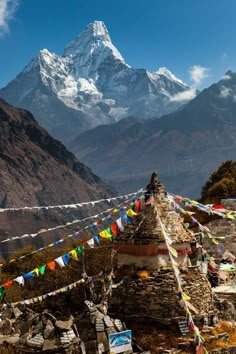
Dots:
pixel 152 338
pixel 222 327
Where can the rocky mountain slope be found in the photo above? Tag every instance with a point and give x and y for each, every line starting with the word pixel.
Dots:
pixel 91 84
pixel 36 169
pixel 185 146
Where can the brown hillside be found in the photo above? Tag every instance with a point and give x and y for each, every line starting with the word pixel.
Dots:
pixel 37 169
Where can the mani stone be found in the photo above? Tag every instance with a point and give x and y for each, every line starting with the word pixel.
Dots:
pixel 35 342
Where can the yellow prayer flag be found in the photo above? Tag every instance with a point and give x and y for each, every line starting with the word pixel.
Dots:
pixel 173 251
pixel 186 297
pixel 131 213
pixel 73 254
pixel 215 241
pixel 194 202
pixel 190 213
pixel 36 271
pixel 230 216
pixel 104 234
pixel 115 210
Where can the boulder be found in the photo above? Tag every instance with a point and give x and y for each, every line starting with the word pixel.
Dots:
pixel 83 329
pixel 50 344
pixel 6 327
pixel 13 340
pixel 17 312
pixel 49 330
pixel 64 325
pixel 37 328
pixel 91 347
pixel 24 326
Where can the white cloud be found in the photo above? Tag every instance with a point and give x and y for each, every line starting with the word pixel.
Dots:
pixel 226 77
pixel 7 10
pixel 226 92
pixel 198 73
pixel 184 96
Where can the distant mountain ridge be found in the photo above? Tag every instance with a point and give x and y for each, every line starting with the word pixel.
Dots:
pixel 36 169
pixel 185 146
pixel 91 84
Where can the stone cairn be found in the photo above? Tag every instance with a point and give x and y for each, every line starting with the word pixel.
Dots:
pixel 148 290
pixel 24 331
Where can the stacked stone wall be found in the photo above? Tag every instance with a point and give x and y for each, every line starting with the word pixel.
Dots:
pixel 155 298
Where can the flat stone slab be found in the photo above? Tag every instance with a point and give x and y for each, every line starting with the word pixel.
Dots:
pixel 118 324
pixel 35 342
pixel 99 325
pixel 227 289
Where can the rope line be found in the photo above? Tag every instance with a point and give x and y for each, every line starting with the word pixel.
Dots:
pixel 76 205
pixel 73 222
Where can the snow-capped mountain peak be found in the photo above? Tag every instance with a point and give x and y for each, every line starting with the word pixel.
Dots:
pixel 94 32
pixel 167 73
pixel 91 48
pixel 91 84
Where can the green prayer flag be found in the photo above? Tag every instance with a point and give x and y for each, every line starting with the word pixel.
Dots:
pixel 41 269
pixel 186 201
pixel 133 207
pixel 1 292
pixel 108 230
pixel 79 250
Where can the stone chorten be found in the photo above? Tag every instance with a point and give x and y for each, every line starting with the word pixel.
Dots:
pixel 148 290
pixel 142 243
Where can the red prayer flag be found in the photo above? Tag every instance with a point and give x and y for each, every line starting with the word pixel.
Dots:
pixel 178 198
pixel 51 265
pixel 218 206
pixel 200 349
pixel 114 228
pixel 191 326
pixel 8 284
pixel 191 307
pixel 150 201
pixel 138 206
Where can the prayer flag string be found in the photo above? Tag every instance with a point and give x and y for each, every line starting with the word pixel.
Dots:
pixel 209 208
pixel 61 206
pixel 64 289
pixel 73 222
pixel 92 227
pixel 199 340
pixel 64 259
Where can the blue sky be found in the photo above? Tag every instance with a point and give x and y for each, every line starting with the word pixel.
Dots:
pixel 192 38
